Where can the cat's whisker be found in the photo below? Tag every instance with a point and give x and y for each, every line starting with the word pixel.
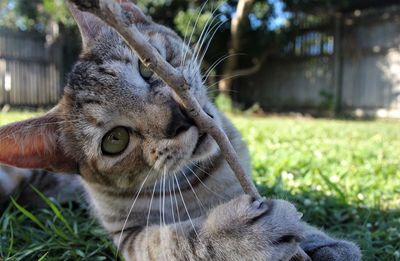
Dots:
pixel 148 213
pixel 130 210
pixel 163 204
pixel 176 200
pixel 172 203
pixel 194 192
pixel 186 209
pixel 205 186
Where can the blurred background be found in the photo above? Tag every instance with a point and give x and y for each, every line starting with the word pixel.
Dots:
pixel 313 85
pixel 322 57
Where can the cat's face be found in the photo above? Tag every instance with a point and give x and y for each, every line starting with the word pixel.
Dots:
pixel 122 122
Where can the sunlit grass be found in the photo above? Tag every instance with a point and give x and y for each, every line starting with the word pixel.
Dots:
pixel 343 175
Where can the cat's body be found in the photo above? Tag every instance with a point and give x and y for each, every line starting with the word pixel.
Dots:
pixel 167 194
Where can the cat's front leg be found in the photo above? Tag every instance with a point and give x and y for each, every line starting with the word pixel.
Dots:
pixel 320 246
pixel 242 229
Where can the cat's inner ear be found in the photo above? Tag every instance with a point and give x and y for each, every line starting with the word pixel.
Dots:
pixel 89 25
pixel 34 144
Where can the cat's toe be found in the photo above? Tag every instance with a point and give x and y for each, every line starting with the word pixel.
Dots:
pixel 321 248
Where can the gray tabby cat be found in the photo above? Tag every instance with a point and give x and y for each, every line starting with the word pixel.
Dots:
pixel 157 185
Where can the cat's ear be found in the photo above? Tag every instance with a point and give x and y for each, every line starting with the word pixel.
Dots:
pixel 35 144
pixel 137 16
pixel 89 25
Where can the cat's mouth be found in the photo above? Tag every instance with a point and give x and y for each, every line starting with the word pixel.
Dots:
pixel 200 141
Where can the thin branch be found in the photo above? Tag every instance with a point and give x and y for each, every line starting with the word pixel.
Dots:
pixel 112 13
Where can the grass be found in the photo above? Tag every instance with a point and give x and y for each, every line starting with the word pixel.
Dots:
pixel 343 175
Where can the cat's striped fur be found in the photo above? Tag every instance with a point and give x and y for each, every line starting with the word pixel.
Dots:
pixel 170 195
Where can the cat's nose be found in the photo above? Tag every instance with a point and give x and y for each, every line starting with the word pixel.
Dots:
pixel 179 122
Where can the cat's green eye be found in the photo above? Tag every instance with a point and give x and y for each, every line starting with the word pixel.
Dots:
pixel 145 71
pixel 115 141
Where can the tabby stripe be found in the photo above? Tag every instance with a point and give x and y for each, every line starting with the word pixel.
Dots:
pixel 130 235
pixel 202 176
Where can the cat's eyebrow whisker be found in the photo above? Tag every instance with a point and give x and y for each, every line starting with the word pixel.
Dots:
pixel 196 61
pixel 184 45
pixel 218 62
pixel 130 210
pixel 204 34
pixel 205 186
pixel 207 28
pixel 214 90
pixel 226 78
pixel 194 28
pixel 186 209
pixel 194 192
pixel 210 40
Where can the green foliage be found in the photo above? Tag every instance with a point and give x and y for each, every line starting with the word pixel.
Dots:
pixel 328 102
pixel 34 14
pixel 190 22
pixel 343 175
pixel 12 116
pixel 224 103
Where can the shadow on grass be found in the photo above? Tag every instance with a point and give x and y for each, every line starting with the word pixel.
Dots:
pixel 375 230
pixel 69 232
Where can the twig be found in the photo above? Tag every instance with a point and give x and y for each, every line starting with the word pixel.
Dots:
pixel 111 12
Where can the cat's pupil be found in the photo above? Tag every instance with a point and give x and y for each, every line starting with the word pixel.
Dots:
pixel 115 141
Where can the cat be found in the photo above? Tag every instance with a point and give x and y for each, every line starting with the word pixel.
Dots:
pixel 157 184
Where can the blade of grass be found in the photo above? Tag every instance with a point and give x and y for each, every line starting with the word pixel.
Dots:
pixel 11 245
pixel 55 209
pixel 43 257
pixel 28 214
pixel 332 185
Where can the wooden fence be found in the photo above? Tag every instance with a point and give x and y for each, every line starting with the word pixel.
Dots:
pixel 352 65
pixel 30 69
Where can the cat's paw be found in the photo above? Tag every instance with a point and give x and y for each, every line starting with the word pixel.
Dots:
pixel 251 230
pixel 321 247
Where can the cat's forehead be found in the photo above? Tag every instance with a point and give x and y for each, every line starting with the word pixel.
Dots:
pixel 109 45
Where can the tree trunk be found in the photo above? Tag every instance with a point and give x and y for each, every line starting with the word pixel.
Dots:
pixel 238 25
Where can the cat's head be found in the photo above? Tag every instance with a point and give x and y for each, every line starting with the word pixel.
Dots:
pixel 117 122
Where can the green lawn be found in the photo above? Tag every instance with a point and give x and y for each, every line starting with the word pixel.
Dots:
pixel 343 175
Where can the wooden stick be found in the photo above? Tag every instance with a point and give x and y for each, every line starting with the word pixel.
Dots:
pixel 111 12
